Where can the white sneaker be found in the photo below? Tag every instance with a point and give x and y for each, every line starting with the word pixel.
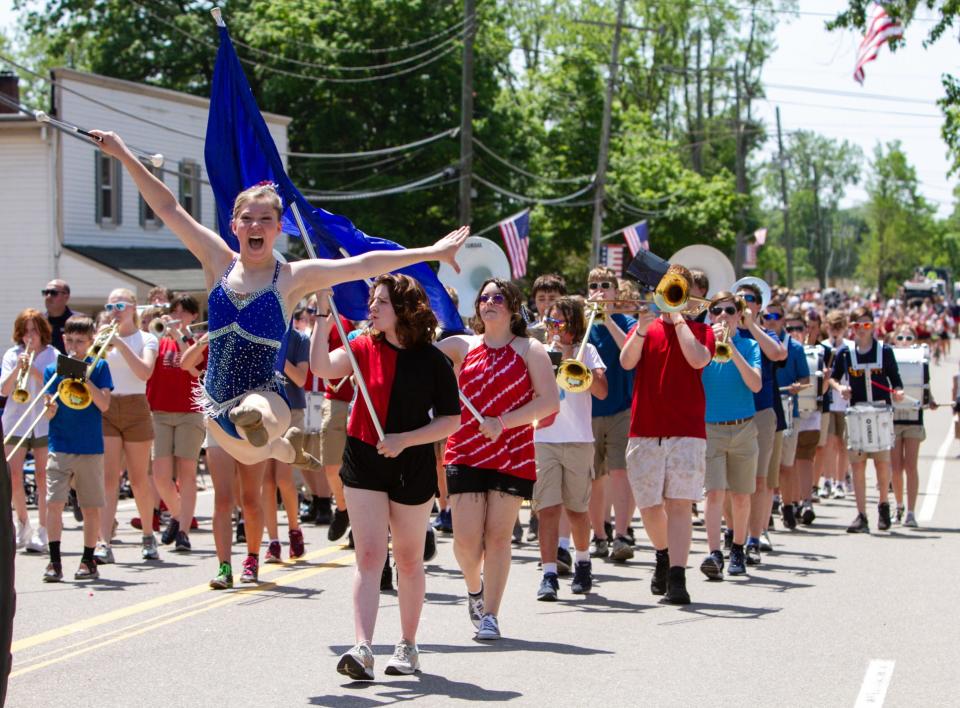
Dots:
pixel 911 520
pixel 103 554
pixel 24 532
pixel 38 541
pixel 839 492
pixel 765 544
pixel 489 628
pixel 357 663
pixel 405 660
pixel 475 607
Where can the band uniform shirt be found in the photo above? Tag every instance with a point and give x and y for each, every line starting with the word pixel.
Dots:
pixel 728 397
pixel 78 432
pixel 884 370
pixel 794 368
pixel 619 381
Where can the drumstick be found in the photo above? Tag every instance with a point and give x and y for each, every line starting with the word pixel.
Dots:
pixel 470 407
pixel 905 396
pixel 801 386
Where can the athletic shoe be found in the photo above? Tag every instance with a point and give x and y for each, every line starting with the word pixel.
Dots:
pixel 564 561
pixel 839 492
pixel 137 524
pixel 776 504
pixel 549 586
pixel 815 495
pixel 697 519
pixel 677 587
pixel 297 548
pixel 658 583
pixel 826 491
pixel 405 660
pixel 883 520
pixel 898 519
pixel 182 544
pixel 631 536
pixel 251 569
pixel 444 521
pixel 475 607
pixel 103 554
pixel 241 531
pixel 608 529
pixel 622 549
pixel 170 533
pixel 386 576
pixel 324 514
pixel 582 578
pixel 87 572
pixel 430 546
pixel 517 533
pixel 24 532
pixel 357 663
pixel 37 542
pixel 807 515
pixel 601 548
pixel 53 573
pixel 273 553
pixel 910 520
pixel 765 544
pixel 728 540
pixel 789 517
pixel 752 553
pixel 738 565
pixel 350 544
pixel 224 579
pixel 770 523
pixel 712 566
pixel 338 525
pixel 148 548
pixel 533 529
pixel 308 511
pixel 489 628
pixel 859 525
pixel 75 505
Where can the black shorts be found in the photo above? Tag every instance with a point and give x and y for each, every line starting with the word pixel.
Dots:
pixel 410 478
pixel 462 479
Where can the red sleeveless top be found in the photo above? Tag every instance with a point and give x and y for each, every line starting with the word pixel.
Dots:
pixel 496 381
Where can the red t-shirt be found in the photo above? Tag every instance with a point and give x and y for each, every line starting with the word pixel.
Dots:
pixel 668 399
pixel 170 388
pixel 345 392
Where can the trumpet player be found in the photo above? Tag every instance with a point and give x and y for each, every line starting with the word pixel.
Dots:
pixel 76 453
pixel 21 379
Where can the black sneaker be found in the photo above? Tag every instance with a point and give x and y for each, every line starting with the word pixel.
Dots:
pixel 582 578
pixel 712 566
pixel 658 583
pixel 677 587
pixel 350 544
pixel 75 504
pixel 727 540
pixel 738 564
pixel 900 512
pixel 338 525
pixel 752 553
pixel 183 543
pixel 789 517
pixel 324 514
pixel 564 561
pixel 633 540
pixel 430 546
pixel 549 586
pixel 517 533
pixel 859 525
pixel 386 576
pixel 308 512
pixel 608 529
pixel 808 515
pixel 883 520
pixel 533 529
pixel 241 532
pixel 776 505
pixel 169 534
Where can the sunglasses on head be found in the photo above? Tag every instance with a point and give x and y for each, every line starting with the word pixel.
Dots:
pixel 496 298
pixel 772 316
pixel 717 310
pixel 795 328
pixel 50 292
pixel 863 325
pixel 118 306
pixel 905 338
pixel 555 324
pixel 747 297
pixel 605 285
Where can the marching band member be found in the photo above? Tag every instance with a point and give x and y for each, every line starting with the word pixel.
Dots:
pixel 836 460
pixel 491 466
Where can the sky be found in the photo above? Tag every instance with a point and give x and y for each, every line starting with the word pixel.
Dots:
pixel 810 64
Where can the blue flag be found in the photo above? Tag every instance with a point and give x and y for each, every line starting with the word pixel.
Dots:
pixel 240 152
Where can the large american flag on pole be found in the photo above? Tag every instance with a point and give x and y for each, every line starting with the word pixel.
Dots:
pixel 516 237
pixel 637 236
pixel 611 256
pixel 880 29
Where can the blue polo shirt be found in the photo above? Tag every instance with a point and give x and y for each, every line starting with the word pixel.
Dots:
pixel 728 397
pixel 763 399
pixel 298 351
pixel 619 382
pixel 78 432
pixel 794 368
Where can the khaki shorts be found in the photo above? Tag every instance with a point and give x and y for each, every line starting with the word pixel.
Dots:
pixel 86 473
pixel 31 443
pixel 178 435
pixel 773 467
pixel 731 457
pixel 766 422
pixel 666 468
pixel 837 424
pixel 807 443
pixel 882 456
pixel 914 432
pixel 610 433
pixel 128 417
pixel 788 452
pixel 824 428
pixel 333 438
pixel 564 476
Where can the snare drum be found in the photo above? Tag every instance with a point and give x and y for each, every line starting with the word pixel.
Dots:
pixel 808 400
pixel 911 362
pixel 313 415
pixel 787 401
pixel 869 428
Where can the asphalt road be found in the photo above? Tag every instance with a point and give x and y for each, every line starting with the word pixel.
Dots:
pixel 829 619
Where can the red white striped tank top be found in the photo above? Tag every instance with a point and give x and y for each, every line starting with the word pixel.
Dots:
pixel 496 381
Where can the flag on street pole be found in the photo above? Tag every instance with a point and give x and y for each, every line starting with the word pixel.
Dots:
pixel 611 256
pixel 516 237
pixel 881 28
pixel 638 237
pixel 760 236
pixel 750 256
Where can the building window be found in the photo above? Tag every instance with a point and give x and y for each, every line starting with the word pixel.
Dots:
pixel 190 188
pixel 148 218
pixel 107 188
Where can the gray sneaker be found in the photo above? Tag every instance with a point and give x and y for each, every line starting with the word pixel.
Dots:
pixel 765 544
pixel 405 660
pixel 622 549
pixel 601 548
pixel 489 628
pixel 911 520
pixel 103 554
pixel 148 548
pixel 475 607
pixel 357 663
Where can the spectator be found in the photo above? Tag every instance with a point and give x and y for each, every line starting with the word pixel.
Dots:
pixel 56 295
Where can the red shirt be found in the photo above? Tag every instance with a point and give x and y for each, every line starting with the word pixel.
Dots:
pixel 345 392
pixel 170 388
pixel 668 399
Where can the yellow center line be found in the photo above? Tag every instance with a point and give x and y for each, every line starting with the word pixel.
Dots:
pixel 147 605
pixel 223 600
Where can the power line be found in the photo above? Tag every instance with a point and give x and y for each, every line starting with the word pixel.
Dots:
pixel 449 133
pixel 875 111
pixel 532 200
pixel 515 168
pixel 853 94
pixel 335 196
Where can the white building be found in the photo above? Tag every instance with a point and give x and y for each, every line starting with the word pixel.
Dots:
pixel 73 213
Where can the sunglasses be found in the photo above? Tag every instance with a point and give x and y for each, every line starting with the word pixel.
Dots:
pixel 311 310
pixel 118 306
pixel 50 292
pixel 905 338
pixel 605 285
pixel 717 310
pixel 795 328
pixel 496 299
pixel 748 297
pixel 863 325
pixel 772 316
pixel 555 324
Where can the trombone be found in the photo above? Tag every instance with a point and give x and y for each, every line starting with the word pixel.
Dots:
pixel 672 294
pixel 20 393
pixel 572 375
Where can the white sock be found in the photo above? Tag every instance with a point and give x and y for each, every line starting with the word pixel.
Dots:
pixel 582 556
pixel 549 568
pixel 565 543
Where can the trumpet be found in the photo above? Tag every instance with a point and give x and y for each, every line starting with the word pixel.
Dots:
pixel 672 294
pixel 20 393
pixel 572 375
pixel 160 327
pixel 723 350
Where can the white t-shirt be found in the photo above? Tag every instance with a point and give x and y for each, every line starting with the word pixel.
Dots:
pixel 573 422
pixel 13 410
pixel 124 381
pixel 838 404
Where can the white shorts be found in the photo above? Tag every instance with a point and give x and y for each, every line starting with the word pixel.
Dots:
pixel 666 468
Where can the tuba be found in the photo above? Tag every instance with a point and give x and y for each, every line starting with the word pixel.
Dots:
pixel 479 259
pixel 20 393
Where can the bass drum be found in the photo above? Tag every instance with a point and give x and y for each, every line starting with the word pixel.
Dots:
pixel 479 259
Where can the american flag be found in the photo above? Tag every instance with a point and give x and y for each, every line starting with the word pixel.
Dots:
pixel 637 236
pixel 880 29
pixel 516 237
pixel 612 257
pixel 750 256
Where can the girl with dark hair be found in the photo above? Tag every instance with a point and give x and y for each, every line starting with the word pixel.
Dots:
pixel 490 465
pixel 390 484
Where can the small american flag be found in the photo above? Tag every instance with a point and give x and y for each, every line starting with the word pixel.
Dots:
pixel 750 256
pixel 516 237
pixel 880 29
pixel 611 256
pixel 637 236
pixel 760 236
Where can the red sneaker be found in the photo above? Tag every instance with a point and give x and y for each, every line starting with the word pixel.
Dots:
pixel 296 544
pixel 273 553
pixel 137 524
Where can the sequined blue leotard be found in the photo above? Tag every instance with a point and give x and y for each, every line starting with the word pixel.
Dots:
pixel 246 334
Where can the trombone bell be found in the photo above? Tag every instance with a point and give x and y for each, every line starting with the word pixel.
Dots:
pixel 73 394
pixel 573 376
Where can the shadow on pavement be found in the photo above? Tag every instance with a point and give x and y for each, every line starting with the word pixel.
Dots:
pixel 419 686
pixel 721 611
pixel 505 644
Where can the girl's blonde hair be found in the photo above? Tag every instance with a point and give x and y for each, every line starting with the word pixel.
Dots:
pixel 129 295
pixel 264 191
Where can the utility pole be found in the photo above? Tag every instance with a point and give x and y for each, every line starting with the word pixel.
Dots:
pixel 466 112
pixel 741 169
pixel 818 225
pixel 699 137
pixel 787 238
pixel 602 157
